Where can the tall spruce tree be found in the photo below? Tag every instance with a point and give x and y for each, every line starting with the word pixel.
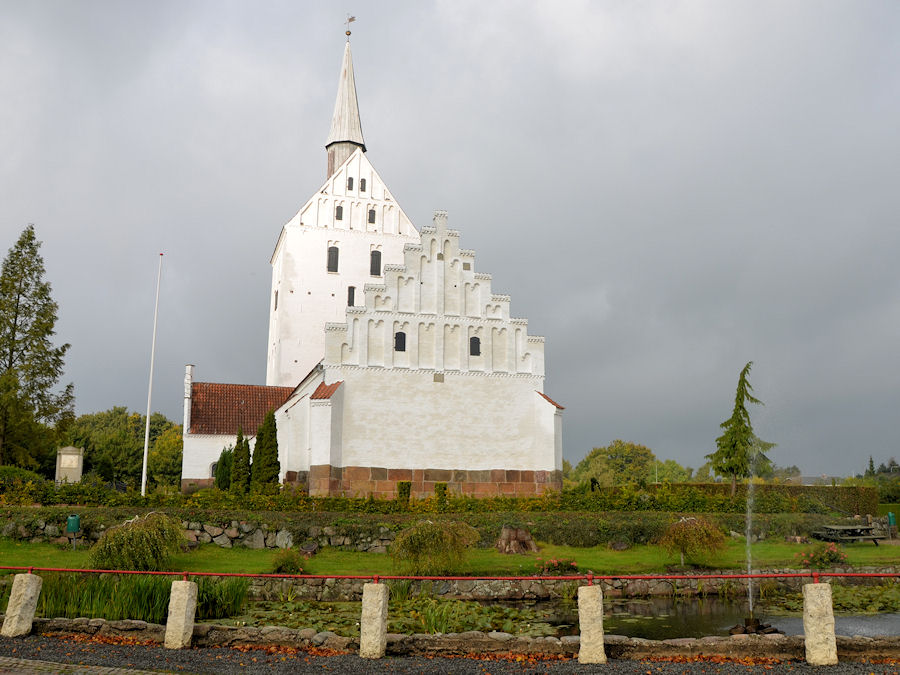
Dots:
pixel 739 451
pixel 30 365
pixel 240 465
pixel 266 467
pixel 223 468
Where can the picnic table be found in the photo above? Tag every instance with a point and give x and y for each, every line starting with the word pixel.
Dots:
pixel 848 533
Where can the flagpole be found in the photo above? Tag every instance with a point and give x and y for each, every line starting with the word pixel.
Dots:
pixel 150 387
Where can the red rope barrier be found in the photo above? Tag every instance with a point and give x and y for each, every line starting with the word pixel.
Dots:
pixel 377 578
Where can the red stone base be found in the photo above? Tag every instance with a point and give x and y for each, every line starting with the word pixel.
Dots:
pixel 365 481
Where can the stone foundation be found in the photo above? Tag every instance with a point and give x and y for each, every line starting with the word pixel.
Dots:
pixel 783 647
pixel 364 481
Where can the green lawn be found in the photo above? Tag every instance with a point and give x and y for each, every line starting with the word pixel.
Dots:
pixel 643 559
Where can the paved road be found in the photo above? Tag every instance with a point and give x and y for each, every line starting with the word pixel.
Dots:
pixel 39 654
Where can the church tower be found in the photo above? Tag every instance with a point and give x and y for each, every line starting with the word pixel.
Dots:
pixel 338 242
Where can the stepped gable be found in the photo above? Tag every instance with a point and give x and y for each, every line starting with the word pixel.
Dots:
pixel 219 409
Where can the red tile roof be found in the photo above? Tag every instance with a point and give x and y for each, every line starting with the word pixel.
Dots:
pixel 221 408
pixel 551 400
pixel 326 390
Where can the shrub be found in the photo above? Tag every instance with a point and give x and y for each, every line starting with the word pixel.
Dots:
pixel 822 555
pixel 555 567
pixel 143 543
pixel 287 561
pixel 404 489
pixel 691 537
pixel 429 548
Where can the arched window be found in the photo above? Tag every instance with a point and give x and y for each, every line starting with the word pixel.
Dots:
pixel 400 341
pixel 212 470
pixel 338 212
pixel 362 184
pixel 474 346
pixel 375 263
pixel 333 258
pixel 371 216
pixel 350 183
pixel 351 295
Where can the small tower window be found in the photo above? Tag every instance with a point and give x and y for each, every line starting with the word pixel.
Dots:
pixel 375 264
pixel 338 212
pixel 333 258
pixel 351 295
pixel 350 183
pixel 400 341
pixel 362 184
pixel 371 216
pixel 474 346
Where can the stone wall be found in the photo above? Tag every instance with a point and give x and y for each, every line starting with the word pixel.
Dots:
pixel 538 589
pixel 781 647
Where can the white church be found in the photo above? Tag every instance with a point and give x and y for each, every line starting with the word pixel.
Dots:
pixel 390 357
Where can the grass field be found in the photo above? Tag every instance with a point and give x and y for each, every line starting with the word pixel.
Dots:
pixel 644 559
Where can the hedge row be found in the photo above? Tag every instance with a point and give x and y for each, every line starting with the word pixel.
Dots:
pixel 570 528
pixel 706 498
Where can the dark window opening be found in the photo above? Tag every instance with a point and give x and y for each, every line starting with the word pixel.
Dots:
pixel 351 295
pixel 371 216
pixel 276 299
pixel 362 184
pixel 474 346
pixel 338 212
pixel 375 264
pixel 467 266
pixel 212 471
pixel 350 183
pixel 333 258
pixel 400 341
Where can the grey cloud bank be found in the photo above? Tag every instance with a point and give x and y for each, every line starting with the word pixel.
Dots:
pixel 702 183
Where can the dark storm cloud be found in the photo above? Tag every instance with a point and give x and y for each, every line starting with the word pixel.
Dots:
pixel 667 190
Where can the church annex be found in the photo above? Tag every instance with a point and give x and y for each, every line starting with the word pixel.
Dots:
pixel 390 357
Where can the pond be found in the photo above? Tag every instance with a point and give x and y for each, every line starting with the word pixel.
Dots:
pixel 667 618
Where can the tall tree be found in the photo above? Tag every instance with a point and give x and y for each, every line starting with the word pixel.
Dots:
pixel 30 365
pixel 240 465
pixel 223 468
pixel 164 460
pixel 739 452
pixel 266 467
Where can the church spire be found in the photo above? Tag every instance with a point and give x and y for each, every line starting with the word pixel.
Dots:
pixel 346 129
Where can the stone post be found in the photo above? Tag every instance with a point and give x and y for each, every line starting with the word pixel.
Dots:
pixel 23 600
pixel 182 607
pixel 590 618
pixel 373 624
pixel 818 625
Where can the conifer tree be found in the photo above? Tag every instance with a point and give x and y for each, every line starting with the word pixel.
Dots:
pixel 223 468
pixel 30 365
pixel 240 465
pixel 739 450
pixel 266 467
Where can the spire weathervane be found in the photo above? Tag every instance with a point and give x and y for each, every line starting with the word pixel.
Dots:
pixel 350 19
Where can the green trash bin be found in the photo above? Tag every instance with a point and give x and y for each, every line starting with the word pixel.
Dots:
pixel 73 524
pixel 892 519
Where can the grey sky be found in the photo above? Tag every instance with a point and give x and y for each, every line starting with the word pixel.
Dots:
pixel 667 190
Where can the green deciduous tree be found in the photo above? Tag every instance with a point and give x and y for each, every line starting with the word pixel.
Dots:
pixel 164 457
pixel 691 537
pixel 739 452
pixel 240 465
pixel 618 463
pixel 265 469
pixel 113 442
pixel 223 468
pixel 30 365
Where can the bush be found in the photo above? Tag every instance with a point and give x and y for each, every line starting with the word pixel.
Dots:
pixel 555 567
pixel 287 561
pixel 143 543
pixel 822 555
pixel 428 548
pixel 404 489
pixel 20 487
pixel 691 537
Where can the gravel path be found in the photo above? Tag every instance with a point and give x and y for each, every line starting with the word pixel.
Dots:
pixel 41 654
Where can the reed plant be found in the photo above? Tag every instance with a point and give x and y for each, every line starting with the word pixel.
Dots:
pixel 146 598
